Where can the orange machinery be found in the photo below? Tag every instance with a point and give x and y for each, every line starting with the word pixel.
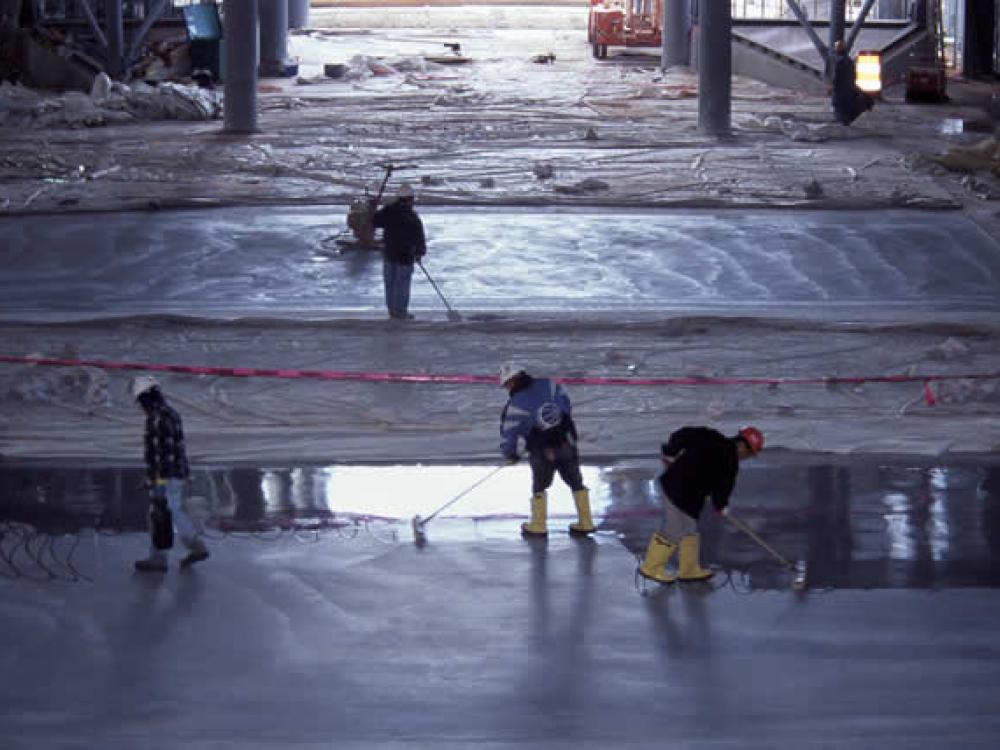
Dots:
pixel 624 23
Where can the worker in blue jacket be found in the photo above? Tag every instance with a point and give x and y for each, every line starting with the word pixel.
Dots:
pixel 539 415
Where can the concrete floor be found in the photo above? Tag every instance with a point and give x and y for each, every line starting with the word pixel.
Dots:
pixel 278 262
pixel 355 637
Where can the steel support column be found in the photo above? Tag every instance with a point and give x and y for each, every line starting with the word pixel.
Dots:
pixel 676 27
pixel 241 40
pixel 152 16
pixel 114 25
pixel 803 20
pixel 977 52
pixel 715 67
pixel 838 20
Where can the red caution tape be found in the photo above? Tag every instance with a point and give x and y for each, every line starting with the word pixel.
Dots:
pixel 402 377
pixel 929 394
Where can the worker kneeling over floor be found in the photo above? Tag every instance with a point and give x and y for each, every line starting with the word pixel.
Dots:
pixel 539 413
pixel 699 462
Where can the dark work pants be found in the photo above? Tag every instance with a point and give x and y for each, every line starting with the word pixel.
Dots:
pixel 565 460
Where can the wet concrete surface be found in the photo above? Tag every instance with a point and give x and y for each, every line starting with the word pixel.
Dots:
pixel 364 640
pixel 317 622
pixel 276 261
pixel 865 522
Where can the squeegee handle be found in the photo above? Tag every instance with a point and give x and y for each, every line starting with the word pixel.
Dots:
pixel 462 494
pixel 750 533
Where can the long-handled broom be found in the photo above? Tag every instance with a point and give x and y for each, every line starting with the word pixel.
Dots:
pixel 798 570
pixel 418 523
pixel 453 315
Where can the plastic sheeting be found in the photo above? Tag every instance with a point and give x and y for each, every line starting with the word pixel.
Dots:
pixel 108 102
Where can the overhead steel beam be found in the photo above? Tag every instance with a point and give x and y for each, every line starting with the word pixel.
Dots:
pixel 95 27
pixel 140 36
pixel 858 23
pixel 803 20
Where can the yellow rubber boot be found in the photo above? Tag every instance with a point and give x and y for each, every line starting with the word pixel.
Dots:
pixel 688 568
pixel 584 524
pixel 536 526
pixel 658 553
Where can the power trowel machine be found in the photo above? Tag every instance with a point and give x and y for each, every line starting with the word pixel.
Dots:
pixel 360 232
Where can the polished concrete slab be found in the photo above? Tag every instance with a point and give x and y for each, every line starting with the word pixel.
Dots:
pixel 276 262
pixel 367 643
pixel 318 622
pixel 855 522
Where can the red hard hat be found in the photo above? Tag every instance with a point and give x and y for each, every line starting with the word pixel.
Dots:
pixel 754 439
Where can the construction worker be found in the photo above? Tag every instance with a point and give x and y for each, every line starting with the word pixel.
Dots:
pixel 403 237
pixel 849 101
pixel 538 413
pixel 166 470
pixel 700 462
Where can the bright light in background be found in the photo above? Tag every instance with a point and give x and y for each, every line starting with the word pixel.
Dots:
pixel 405 491
pixel 938 531
pixel 898 527
pixel 869 72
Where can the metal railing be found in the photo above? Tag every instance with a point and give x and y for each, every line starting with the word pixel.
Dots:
pixel 816 10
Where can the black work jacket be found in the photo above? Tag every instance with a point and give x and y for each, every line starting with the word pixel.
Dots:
pixel 403 232
pixel 705 465
pixel 166 457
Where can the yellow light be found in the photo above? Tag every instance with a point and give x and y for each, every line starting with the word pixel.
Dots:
pixel 869 72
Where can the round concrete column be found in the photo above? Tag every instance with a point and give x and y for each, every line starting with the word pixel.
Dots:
pixel 241 40
pixel 715 67
pixel 676 27
pixel 298 14
pixel 273 37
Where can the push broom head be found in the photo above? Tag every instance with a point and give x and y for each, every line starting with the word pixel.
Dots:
pixel 799 578
pixel 419 538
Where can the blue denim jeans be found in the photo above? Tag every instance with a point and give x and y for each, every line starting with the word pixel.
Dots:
pixel 397 278
pixel 173 492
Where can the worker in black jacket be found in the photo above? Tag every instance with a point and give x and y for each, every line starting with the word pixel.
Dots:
pixel 700 462
pixel 403 237
pixel 848 100
pixel 166 471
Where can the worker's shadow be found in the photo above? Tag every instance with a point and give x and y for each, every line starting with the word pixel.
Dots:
pixel 358 263
pixel 559 640
pixel 159 607
pixel 677 618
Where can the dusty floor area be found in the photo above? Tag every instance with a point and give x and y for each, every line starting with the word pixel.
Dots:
pixel 503 129
pixel 499 130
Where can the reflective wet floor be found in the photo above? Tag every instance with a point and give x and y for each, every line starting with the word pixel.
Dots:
pixel 234 262
pixel 855 523
pixel 318 623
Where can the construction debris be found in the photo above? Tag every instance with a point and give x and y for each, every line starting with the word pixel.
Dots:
pixel 588 185
pixel 109 102
pixel 984 155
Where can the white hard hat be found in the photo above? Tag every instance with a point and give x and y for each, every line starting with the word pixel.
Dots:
pixel 509 370
pixel 141 384
pixel 405 191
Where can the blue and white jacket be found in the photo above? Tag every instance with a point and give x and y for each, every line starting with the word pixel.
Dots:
pixel 539 413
